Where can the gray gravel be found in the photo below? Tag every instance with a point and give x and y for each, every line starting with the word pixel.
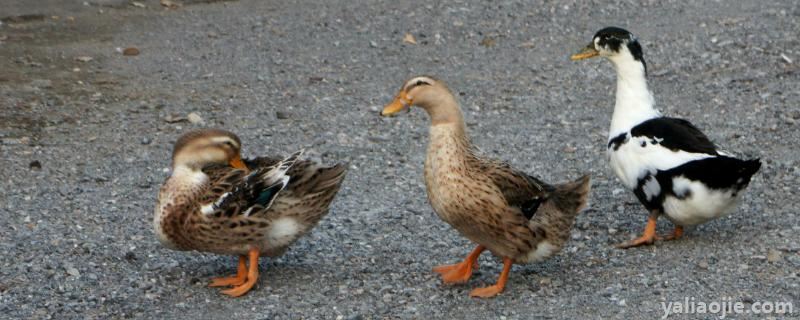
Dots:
pixel 84 146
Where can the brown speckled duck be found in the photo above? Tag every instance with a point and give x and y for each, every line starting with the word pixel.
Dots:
pixel 216 202
pixel 512 214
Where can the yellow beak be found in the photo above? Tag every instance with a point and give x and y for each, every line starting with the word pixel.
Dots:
pixel 400 102
pixel 237 163
pixel 587 52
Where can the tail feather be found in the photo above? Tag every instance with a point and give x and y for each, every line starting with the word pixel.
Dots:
pixel 277 173
pixel 747 170
pixel 751 167
pixel 329 177
pixel 571 197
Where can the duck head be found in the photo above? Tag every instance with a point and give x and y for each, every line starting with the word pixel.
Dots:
pixel 616 44
pixel 200 148
pixel 428 93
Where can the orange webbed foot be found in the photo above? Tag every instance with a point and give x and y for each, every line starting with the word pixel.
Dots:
pixel 676 233
pixel 486 292
pixel 228 281
pixel 648 236
pixel 460 272
pixel 497 288
pixel 446 268
pixel 251 277
pixel 238 279
pixel 640 241
pixel 240 290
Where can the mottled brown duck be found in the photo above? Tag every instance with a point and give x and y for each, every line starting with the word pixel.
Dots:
pixel 214 201
pixel 512 214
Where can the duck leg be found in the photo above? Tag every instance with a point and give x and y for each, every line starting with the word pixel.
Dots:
pixel 252 276
pixel 238 279
pixel 647 238
pixel 497 288
pixel 676 233
pixel 462 271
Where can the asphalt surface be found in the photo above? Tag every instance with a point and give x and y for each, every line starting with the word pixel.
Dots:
pixel 85 136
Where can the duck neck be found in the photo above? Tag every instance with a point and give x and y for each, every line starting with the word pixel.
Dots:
pixel 448 131
pixel 634 103
pixel 445 110
pixel 186 177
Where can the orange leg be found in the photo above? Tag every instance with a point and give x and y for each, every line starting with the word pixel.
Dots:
pixel 497 288
pixel 647 238
pixel 252 276
pixel 462 271
pixel 676 233
pixel 238 279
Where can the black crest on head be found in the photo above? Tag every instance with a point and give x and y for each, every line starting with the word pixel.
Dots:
pixel 614 38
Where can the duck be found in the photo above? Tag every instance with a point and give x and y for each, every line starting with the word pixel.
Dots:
pixel 514 215
pixel 671 166
pixel 215 201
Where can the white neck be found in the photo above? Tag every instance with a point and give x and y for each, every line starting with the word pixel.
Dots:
pixel 635 103
pixel 185 175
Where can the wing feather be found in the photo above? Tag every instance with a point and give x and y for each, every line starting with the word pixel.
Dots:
pixel 675 134
pixel 519 189
pixel 233 192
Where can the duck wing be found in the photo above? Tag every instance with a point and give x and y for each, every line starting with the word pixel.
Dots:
pixel 519 189
pixel 234 192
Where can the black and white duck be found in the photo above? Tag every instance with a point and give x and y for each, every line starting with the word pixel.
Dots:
pixel 671 166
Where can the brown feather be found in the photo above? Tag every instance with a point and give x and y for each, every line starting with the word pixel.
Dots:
pixel 484 198
pixel 305 200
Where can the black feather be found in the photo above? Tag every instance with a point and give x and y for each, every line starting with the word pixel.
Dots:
pixel 529 207
pixel 674 134
pixel 618 141
pixel 614 38
pixel 718 173
pixel 253 191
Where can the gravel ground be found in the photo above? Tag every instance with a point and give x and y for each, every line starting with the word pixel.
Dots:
pixel 85 144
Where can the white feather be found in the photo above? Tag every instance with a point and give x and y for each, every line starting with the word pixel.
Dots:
pixel 637 158
pixel 207 209
pixel 651 188
pixel 631 161
pixel 282 232
pixel 211 207
pixel 543 250
pixel 702 204
pixel 634 103
pixel 187 177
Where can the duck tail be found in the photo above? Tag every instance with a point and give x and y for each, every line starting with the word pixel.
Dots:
pixel 746 170
pixel 569 198
pixel 330 178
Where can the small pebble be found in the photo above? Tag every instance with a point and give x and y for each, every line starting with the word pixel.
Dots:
pixel 773 255
pixel 195 118
pixel 35 165
pixel 73 271
pixel 130 51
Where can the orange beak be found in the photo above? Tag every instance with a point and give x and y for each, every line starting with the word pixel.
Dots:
pixel 586 53
pixel 400 102
pixel 237 163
